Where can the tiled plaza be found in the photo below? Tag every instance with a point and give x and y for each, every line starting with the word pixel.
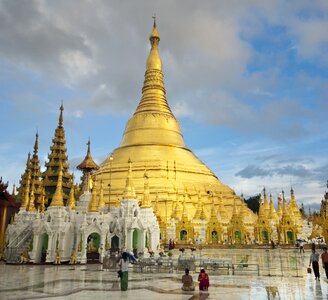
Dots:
pixel 268 274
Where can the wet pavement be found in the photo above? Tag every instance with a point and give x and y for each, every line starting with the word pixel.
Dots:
pixel 258 274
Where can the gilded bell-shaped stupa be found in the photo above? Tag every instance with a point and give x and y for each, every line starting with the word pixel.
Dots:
pixel 153 141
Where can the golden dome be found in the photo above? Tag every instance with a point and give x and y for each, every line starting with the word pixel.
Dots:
pixel 153 141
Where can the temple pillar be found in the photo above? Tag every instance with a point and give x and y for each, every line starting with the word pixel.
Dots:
pixel 129 240
pixel 50 250
pixel 141 243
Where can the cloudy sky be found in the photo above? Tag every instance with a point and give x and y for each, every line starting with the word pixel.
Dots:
pixel 248 81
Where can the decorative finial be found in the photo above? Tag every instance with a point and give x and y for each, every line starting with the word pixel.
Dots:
pixel 88 144
pixel 154 17
pixel 61 114
pixel 36 144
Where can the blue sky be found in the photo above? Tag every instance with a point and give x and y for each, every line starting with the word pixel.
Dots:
pixel 246 79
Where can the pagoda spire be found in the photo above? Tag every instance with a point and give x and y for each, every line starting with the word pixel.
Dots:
pixel 87 166
pixel 129 192
pixel 61 120
pixel 243 208
pixel 153 92
pixel 57 156
pixel 57 199
pixel 273 213
pixel 23 181
pixel 43 195
pixel 31 206
pixel 36 171
pixel 27 190
pixel 71 200
pixel 266 205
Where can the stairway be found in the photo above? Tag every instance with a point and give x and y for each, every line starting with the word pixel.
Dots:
pixel 18 244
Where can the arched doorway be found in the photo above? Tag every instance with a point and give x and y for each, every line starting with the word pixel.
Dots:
pixel 215 236
pixel 290 237
pixel 183 235
pixel 44 247
pixel 115 243
pixel 135 239
pixel 265 236
pixel 93 243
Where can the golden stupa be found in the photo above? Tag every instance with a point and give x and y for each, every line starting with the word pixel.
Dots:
pixel 153 142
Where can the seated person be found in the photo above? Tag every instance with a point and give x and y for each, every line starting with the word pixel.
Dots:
pixel 188 284
pixel 204 281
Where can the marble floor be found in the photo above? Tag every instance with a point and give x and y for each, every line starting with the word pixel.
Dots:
pixel 281 275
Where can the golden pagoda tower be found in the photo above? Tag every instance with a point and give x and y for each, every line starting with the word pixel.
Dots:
pixel 71 200
pixel 58 196
pixel 153 140
pixel 32 164
pixel 266 205
pixel 56 157
pixel 22 187
pixel 87 166
pixel 36 172
pixel 26 190
pixel 214 232
pixel 293 207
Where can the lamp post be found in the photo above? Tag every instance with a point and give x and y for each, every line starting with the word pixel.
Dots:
pixel 111 158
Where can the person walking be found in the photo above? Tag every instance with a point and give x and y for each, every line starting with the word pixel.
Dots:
pixel 324 258
pixel 314 259
pixel 124 268
pixel 187 281
pixel 204 281
pixel 301 247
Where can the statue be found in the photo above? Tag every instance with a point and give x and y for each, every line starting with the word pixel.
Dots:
pixel 91 246
pixel 73 258
pixel 57 258
pixel 24 257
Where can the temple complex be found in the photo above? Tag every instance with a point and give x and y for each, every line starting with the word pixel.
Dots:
pixel 152 189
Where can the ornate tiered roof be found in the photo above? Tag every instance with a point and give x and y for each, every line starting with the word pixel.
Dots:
pixel 56 157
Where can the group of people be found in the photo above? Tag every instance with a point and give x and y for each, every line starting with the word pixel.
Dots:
pixel 314 260
pixel 188 283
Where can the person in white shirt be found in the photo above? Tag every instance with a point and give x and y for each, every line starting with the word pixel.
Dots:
pixel 124 268
pixel 314 259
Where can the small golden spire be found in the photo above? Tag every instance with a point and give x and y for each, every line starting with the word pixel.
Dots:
pixel 27 190
pixel 57 198
pixel 93 206
pixel 32 198
pixel 129 192
pixel 43 195
pixel 154 60
pixel 71 200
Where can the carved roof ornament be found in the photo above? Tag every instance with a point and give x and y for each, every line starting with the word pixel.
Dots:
pixel 88 163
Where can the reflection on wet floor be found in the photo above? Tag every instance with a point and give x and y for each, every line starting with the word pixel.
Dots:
pixel 282 276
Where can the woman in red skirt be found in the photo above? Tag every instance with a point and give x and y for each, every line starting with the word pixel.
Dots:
pixel 204 281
